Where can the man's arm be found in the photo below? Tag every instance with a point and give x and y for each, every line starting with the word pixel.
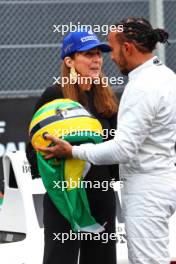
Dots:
pixel 136 116
pixel 135 120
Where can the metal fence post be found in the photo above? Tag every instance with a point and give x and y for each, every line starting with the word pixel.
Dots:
pixel 156 13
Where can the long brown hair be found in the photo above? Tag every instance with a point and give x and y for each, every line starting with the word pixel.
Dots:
pixel 104 99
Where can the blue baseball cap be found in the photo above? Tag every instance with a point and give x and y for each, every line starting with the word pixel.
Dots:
pixel 81 41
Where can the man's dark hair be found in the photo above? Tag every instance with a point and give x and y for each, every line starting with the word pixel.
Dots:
pixel 141 33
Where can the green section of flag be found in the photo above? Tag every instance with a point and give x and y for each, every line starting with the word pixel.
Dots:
pixel 72 204
pixel 1 201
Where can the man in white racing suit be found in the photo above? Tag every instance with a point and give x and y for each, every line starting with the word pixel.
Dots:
pixel 144 144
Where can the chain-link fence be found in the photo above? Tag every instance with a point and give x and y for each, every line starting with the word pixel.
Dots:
pixel 170 26
pixel 30 50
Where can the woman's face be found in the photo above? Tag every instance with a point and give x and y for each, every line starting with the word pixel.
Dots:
pixel 88 63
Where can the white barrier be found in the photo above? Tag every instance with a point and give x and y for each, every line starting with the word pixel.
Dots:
pixel 18 218
pixel 122 254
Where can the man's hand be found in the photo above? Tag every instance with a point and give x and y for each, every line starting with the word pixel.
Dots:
pixel 61 149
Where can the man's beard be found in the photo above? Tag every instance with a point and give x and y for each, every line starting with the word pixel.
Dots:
pixel 125 72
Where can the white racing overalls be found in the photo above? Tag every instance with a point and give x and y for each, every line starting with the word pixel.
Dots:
pixel 144 145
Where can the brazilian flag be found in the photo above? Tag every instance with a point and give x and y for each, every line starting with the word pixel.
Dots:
pixel 1 200
pixel 64 178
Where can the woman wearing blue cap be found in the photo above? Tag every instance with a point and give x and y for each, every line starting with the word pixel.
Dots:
pixel 82 57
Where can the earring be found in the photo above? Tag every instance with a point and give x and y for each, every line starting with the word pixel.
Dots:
pixel 73 73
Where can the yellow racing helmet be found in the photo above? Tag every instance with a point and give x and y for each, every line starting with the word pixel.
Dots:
pixel 64 118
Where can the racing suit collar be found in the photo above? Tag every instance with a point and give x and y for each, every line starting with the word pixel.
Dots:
pixel 153 61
